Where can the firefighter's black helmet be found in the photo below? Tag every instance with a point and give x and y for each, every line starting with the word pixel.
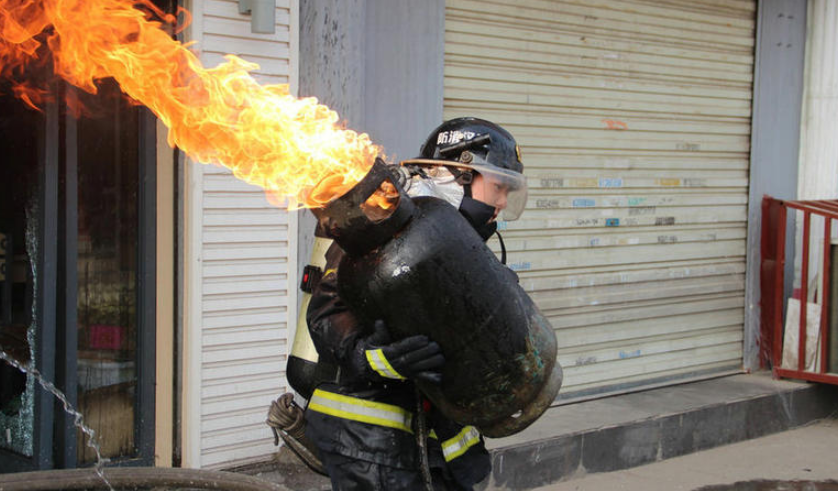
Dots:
pixel 473 142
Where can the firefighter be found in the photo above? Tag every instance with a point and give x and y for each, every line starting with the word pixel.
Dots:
pixel 367 424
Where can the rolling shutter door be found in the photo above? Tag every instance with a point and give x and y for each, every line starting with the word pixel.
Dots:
pixel 634 122
pixel 245 269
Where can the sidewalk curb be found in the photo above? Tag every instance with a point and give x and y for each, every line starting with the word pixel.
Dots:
pixel 539 463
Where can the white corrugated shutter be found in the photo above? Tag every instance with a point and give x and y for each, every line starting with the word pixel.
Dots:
pixel 245 269
pixel 634 123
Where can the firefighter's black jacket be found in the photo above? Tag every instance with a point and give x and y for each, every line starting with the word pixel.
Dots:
pixel 342 417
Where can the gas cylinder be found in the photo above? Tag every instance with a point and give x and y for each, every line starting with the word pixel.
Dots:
pixel 424 270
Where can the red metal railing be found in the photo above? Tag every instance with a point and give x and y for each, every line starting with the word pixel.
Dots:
pixel 773 247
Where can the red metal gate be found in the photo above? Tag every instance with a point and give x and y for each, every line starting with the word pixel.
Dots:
pixel 774 217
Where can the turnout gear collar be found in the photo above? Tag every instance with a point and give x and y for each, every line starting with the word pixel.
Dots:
pixel 479 214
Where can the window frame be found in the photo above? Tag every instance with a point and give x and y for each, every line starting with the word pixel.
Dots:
pixel 56 351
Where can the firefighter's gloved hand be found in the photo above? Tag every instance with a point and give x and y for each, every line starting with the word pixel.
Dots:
pixel 414 357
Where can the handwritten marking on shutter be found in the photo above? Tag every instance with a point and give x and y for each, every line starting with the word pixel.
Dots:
pixel 546 203
pixel 583 203
pixel 629 354
pixel 688 147
pixel 613 124
pixel 642 210
pixel 610 182
pixel 588 182
pixel 552 183
pixel 582 222
pixel 521 266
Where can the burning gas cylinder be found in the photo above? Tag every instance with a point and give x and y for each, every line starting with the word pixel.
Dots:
pixel 420 267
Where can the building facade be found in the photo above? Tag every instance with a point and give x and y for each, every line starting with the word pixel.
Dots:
pixel 636 122
pixel 649 133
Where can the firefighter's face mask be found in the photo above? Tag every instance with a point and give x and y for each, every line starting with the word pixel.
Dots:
pixel 502 189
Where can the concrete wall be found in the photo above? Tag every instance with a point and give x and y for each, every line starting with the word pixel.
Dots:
pixel 778 88
pixel 379 64
pixel 332 44
pixel 404 73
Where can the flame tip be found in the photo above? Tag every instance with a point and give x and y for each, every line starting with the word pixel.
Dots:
pixel 218 115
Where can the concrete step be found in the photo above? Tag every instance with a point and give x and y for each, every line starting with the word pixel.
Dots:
pixel 624 431
pixel 785 461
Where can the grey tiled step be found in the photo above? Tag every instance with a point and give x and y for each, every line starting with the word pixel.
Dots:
pixel 624 431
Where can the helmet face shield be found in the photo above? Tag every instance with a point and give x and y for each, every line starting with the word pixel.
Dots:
pixel 501 188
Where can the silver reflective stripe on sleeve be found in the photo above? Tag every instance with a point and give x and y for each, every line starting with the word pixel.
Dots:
pixel 379 363
pixel 361 410
pixel 465 439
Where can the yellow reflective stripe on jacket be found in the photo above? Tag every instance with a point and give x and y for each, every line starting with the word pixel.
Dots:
pixel 355 409
pixel 465 439
pixel 379 363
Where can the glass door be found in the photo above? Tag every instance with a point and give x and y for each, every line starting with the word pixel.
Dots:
pixel 77 282
pixel 28 226
pixel 108 248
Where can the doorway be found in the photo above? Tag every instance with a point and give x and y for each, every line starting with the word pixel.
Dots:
pixel 77 234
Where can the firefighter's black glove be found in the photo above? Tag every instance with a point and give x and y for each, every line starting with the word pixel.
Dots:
pixel 414 357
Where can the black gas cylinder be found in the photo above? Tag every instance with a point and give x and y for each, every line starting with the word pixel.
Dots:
pixel 426 271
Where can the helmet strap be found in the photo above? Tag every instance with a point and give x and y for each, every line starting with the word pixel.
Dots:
pixel 502 248
pixel 463 177
pixel 416 170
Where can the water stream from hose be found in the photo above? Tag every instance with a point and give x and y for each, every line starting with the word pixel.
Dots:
pixel 78 419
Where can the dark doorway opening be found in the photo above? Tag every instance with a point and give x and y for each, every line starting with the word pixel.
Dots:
pixel 20 231
pixel 77 276
pixel 77 210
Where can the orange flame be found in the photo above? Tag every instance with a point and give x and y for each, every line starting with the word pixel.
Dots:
pixel 221 115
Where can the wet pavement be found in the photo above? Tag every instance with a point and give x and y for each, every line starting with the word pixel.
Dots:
pixel 288 471
pixel 765 485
